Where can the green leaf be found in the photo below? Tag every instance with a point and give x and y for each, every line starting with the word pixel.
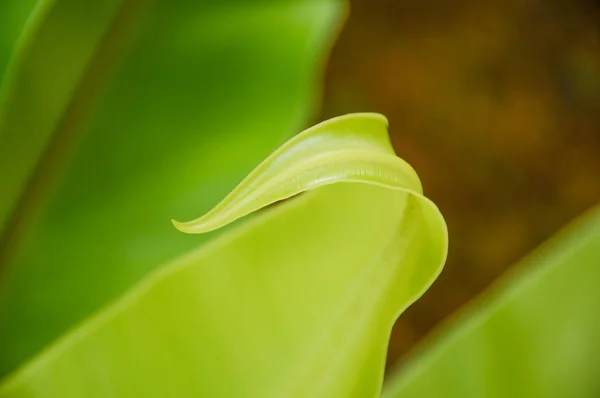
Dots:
pixel 535 334
pixel 297 302
pixel 120 114
pixel 13 17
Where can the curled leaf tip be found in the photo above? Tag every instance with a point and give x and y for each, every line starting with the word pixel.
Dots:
pixel 177 224
pixel 349 148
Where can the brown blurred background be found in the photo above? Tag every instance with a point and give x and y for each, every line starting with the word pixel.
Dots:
pixel 497 106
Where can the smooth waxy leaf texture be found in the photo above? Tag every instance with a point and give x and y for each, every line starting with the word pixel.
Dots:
pixel 347 149
pixel 117 115
pixel 297 302
pixel 536 334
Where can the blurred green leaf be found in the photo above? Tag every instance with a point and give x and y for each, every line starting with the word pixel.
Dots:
pixel 120 114
pixel 533 335
pixel 13 17
pixel 298 302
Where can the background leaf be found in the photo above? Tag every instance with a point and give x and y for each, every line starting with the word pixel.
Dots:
pixel 167 104
pixel 534 335
pixel 13 16
pixel 298 302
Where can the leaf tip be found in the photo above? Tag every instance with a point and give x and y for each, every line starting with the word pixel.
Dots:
pixel 181 226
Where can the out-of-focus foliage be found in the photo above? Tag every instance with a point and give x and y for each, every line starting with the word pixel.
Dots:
pixel 298 302
pixel 497 104
pixel 13 16
pixel 536 334
pixel 118 115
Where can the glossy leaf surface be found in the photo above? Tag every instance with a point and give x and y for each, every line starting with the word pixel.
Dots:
pixel 536 334
pixel 297 302
pixel 118 115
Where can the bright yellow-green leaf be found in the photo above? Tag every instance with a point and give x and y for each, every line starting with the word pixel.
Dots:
pixel 117 115
pixel 536 334
pixel 297 302
pixel 346 149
